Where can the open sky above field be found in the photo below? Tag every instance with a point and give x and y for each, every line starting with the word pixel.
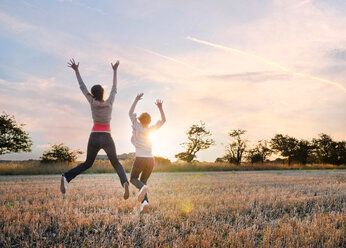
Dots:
pixel 271 66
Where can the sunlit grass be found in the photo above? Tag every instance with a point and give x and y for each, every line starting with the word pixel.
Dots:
pixel 203 209
pixel 104 166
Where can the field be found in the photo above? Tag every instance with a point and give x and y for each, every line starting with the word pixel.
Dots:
pixel 201 209
pixel 161 165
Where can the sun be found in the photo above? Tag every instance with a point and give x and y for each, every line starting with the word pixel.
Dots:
pixel 161 144
pixel 156 145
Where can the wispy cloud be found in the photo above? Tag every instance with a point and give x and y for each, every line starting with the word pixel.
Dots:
pixel 261 94
pixel 99 11
pixel 253 76
pixel 172 59
pixel 15 25
pixel 269 62
pixel 302 3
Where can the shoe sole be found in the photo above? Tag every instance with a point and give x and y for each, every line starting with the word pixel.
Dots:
pixel 142 194
pixel 145 209
pixel 62 187
pixel 127 192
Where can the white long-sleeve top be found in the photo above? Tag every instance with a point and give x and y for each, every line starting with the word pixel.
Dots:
pixel 140 136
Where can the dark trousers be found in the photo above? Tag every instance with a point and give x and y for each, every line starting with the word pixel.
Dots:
pixel 98 141
pixel 143 166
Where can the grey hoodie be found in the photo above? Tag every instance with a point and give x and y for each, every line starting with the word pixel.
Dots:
pixel 101 111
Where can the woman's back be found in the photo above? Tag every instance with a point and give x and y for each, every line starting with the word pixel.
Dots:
pixel 101 111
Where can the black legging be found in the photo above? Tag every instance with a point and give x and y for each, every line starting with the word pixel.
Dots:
pixel 143 166
pixel 98 141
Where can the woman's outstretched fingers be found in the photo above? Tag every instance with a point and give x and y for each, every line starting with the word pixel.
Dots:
pixel 159 103
pixel 116 64
pixel 73 64
pixel 139 96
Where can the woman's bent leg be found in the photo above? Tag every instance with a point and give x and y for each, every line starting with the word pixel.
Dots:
pixel 137 168
pixel 109 148
pixel 92 151
pixel 148 168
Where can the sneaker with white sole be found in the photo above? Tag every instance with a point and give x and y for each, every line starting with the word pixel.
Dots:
pixel 144 207
pixel 126 191
pixel 63 184
pixel 142 192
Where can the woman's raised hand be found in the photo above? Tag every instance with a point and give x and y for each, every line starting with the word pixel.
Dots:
pixel 115 66
pixel 139 97
pixel 159 103
pixel 73 64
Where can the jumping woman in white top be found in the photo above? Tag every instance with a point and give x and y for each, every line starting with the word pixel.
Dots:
pixel 144 162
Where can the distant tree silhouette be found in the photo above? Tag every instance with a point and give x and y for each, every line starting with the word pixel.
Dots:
pixel 197 135
pixel 253 156
pixel 162 160
pixel 285 145
pixel 329 151
pixel 293 149
pixel 220 160
pixel 302 152
pixel 235 149
pixel 12 136
pixel 60 153
pixel 259 153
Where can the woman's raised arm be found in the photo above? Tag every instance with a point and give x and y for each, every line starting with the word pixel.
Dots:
pixel 82 86
pixel 75 66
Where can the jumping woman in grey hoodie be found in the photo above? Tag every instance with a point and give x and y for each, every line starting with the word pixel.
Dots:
pixel 100 137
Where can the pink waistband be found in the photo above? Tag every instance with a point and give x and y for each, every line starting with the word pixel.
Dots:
pixel 101 128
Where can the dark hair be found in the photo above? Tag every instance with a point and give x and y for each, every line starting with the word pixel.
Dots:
pixel 97 92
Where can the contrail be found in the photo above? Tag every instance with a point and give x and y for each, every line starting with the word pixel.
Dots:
pixel 269 62
pixel 172 59
pixel 303 3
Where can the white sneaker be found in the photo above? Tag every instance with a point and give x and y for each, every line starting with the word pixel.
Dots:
pixel 63 184
pixel 126 191
pixel 142 192
pixel 144 207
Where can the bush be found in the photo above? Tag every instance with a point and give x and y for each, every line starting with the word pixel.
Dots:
pixel 60 153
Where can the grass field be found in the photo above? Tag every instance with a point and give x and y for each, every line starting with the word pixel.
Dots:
pixel 202 209
pixel 104 166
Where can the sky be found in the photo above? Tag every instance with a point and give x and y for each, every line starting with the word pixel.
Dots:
pixel 269 67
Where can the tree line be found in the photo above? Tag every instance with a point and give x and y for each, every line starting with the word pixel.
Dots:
pixel 322 149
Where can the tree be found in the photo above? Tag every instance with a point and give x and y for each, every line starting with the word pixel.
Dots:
pixel 161 160
pixel 236 149
pixel 197 135
pixel 303 151
pixel 329 151
pixel 220 160
pixel 341 152
pixel 253 155
pixel 60 153
pixel 259 153
pixel 285 145
pixel 12 136
pixel 295 150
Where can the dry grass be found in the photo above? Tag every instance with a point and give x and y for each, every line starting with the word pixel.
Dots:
pixel 104 166
pixel 219 209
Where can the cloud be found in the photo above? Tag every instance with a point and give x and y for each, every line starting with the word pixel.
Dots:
pixel 43 146
pixel 172 59
pixel 339 54
pixel 196 82
pixel 256 76
pixel 12 24
pixel 302 3
pixel 83 5
pixel 271 63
